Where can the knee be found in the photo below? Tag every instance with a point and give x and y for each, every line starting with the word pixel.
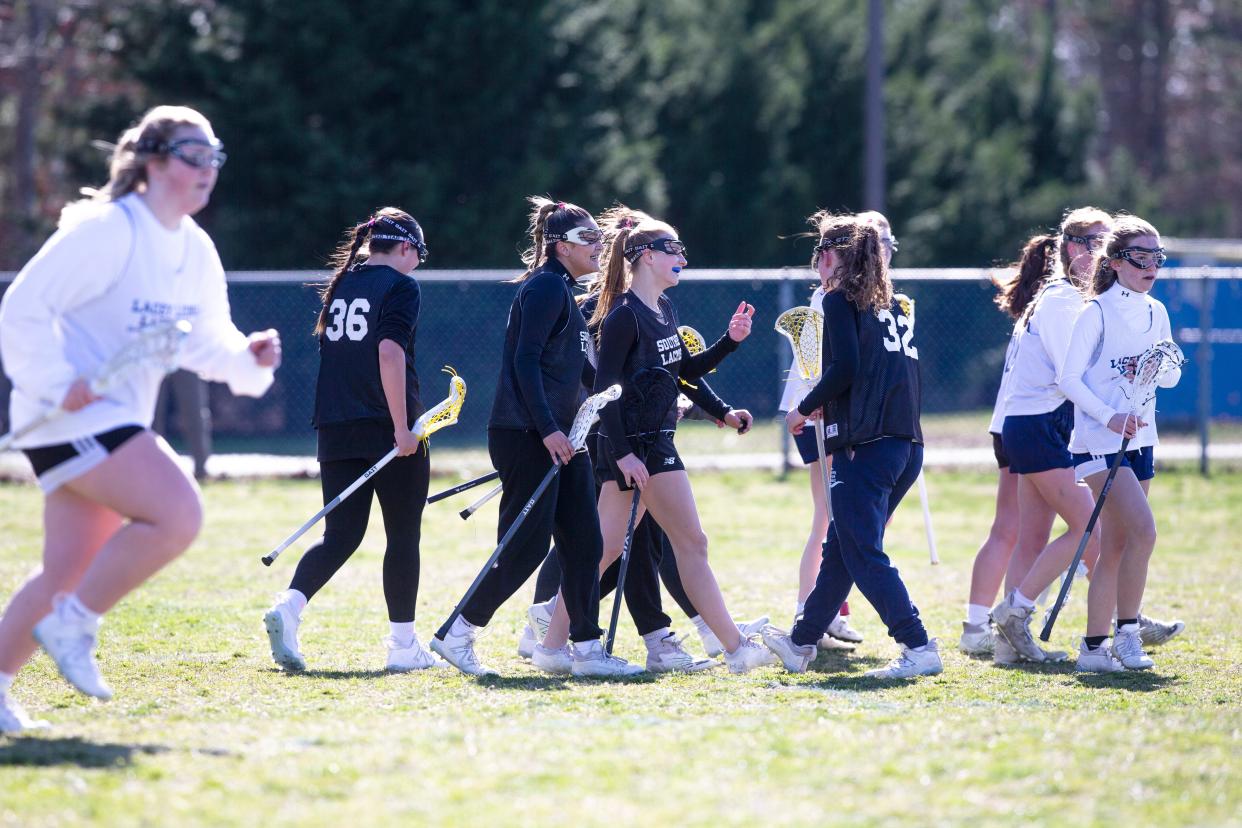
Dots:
pixel 180 522
pixel 693 546
pixel 1143 536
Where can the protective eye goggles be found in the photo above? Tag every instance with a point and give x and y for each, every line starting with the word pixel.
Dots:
pixel 839 241
pixel 673 247
pixel 578 235
pixel 1091 242
pixel 891 243
pixel 405 236
pixel 1143 257
pixel 198 154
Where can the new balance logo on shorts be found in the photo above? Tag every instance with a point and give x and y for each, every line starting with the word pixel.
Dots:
pixel 668 461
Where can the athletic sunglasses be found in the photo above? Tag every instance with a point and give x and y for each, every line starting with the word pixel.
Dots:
pixel 1091 242
pixel 198 153
pixel 1143 257
pixel 578 235
pixel 673 247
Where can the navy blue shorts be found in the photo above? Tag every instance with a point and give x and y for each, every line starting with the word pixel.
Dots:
pixel 998 450
pixel 807 450
pixel 1039 442
pixel 1141 461
pixel 662 456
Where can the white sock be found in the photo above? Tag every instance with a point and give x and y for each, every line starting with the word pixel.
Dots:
pixel 551 604
pixel 402 632
pixel 655 637
pixel 799 608
pixel 1020 600
pixel 462 627
pixel 701 625
pixel 977 615
pixel 295 599
pixel 6 681
pixel 76 609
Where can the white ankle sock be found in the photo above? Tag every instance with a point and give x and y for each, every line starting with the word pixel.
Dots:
pixel 1020 600
pixel 295 599
pixel 76 609
pixel 402 632
pixel 799 608
pixel 461 627
pixel 6 681
pixel 700 625
pixel 977 614
pixel 656 636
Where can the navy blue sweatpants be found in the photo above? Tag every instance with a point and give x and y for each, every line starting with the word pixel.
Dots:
pixel 866 488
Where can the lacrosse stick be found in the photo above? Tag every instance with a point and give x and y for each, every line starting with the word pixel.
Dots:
pixel 461 487
pixel 803 327
pixel 587 414
pixel 694 341
pixel 441 415
pixel 465 513
pixel 648 397
pixel 156 346
pixel 907 308
pixel 1155 362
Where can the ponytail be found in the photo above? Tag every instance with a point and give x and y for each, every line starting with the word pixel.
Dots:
pixel 547 216
pixel 342 261
pixel 1036 265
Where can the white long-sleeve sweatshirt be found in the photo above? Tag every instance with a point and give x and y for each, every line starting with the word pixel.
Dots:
pixel 1110 335
pixel 1040 342
pixel 95 284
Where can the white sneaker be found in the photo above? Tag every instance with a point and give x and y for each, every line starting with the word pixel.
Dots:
pixel 748 656
pixel 795 657
pixel 976 639
pixel 1128 649
pixel 458 650
pixel 1155 632
pixel 1013 623
pixel 712 645
pixel 282 633
pixel 841 630
pixel 1099 660
pixel 71 643
pixel 557 662
pixel 668 656
pixel 925 661
pixel 526 644
pixel 14 719
pixel 590 660
pixel 1003 654
pixel 402 658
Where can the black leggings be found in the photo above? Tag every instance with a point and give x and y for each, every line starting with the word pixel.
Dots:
pixel 402 490
pixel 650 552
pixel 566 512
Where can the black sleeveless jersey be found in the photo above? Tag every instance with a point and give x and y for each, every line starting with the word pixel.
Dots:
pixel 541 368
pixel 647 339
pixel 371 303
pixel 885 397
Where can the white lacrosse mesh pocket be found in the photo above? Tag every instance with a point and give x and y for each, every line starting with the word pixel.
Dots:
pixel 803 328
pixel 157 346
pixel 588 414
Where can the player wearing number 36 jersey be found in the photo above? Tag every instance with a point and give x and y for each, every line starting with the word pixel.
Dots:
pixel 366 400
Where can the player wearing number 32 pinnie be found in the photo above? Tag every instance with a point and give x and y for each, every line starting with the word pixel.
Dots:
pixel 869 391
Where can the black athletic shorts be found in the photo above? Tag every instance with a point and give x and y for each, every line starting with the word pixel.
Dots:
pixel 661 457
pixel 57 464
pixel 998 449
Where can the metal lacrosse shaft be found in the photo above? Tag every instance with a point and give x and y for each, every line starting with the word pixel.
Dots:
pixel 462 487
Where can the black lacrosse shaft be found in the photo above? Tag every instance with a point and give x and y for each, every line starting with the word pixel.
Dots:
pixel 1068 581
pixel 625 565
pixel 504 541
pixel 461 487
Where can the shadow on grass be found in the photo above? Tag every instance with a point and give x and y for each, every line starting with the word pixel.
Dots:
pixel 843 661
pixel 1139 681
pixel 544 682
pixel 34 751
pixel 341 674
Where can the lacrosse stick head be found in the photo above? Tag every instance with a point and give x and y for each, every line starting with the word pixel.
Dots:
pixel 803 328
pixel 588 415
pixel 157 346
pixel 907 306
pixel 445 412
pixel 693 342
pixel 1158 360
pixel 647 399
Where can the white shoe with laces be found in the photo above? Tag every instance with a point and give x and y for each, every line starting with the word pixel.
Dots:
pixel 71 642
pixel 712 645
pixel 1155 632
pixel 527 643
pixel 590 661
pixel 557 662
pixel 976 640
pixel 404 658
pixel 923 661
pixel 748 656
pixel 795 657
pixel 1098 660
pixel 668 656
pixel 281 622
pixel 1128 648
pixel 458 650
pixel 841 630
pixel 1013 623
pixel 14 719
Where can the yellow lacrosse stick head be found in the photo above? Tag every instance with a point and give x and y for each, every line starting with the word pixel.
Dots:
pixel 803 327
pixel 694 343
pixel 907 305
pixel 445 412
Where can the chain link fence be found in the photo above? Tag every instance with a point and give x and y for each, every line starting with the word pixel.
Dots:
pixel 960 334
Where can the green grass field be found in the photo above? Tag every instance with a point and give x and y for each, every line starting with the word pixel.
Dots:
pixel 204 731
